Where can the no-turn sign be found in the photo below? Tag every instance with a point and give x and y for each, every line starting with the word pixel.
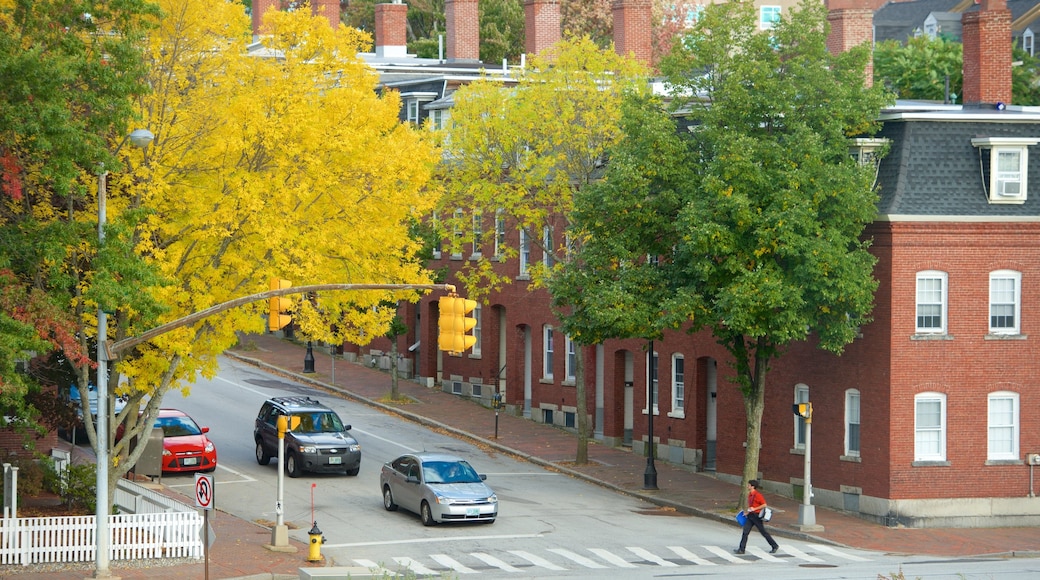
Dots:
pixel 204 491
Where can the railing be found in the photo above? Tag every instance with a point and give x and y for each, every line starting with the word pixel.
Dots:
pixel 71 538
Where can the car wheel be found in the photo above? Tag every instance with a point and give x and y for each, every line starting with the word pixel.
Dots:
pixel 388 499
pixel 292 465
pixel 426 515
pixel 261 454
pixel 354 472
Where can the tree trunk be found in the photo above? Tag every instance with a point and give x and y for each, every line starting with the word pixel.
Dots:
pixel 754 405
pixel 582 456
pixel 393 368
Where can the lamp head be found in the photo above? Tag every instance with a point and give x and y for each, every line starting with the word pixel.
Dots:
pixel 141 138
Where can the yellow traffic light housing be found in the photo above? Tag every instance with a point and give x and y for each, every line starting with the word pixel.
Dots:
pixel 455 325
pixel 287 423
pixel 803 410
pixel 279 316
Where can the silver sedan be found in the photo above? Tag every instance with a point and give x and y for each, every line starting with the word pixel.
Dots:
pixel 438 487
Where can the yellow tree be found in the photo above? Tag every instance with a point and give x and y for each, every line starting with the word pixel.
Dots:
pixel 280 162
pixel 523 152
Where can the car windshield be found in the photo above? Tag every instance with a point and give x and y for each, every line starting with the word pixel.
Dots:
pixel 449 472
pixel 177 426
pixel 319 422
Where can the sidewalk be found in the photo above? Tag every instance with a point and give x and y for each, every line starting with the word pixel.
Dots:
pixel 239 552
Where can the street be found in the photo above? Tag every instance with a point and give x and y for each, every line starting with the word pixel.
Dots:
pixel 549 524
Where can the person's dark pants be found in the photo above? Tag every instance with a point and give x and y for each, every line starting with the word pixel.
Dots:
pixel 753 520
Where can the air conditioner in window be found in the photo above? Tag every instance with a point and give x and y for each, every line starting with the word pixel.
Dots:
pixel 1009 188
pixel 1033 458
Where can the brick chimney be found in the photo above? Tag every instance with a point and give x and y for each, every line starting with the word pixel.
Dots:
pixel 328 9
pixel 259 7
pixel 462 34
pixel 632 28
pixel 392 29
pixel 986 36
pixel 852 24
pixel 541 25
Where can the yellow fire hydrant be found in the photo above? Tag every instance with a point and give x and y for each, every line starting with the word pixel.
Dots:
pixel 317 539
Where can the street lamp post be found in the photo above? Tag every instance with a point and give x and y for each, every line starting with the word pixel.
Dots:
pixel 650 476
pixel 140 138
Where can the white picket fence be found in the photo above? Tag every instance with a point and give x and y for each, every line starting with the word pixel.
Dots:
pixel 71 538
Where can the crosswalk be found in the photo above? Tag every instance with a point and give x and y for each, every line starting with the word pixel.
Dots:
pixel 563 559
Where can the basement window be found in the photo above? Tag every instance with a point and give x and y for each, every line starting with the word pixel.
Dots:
pixel 1004 168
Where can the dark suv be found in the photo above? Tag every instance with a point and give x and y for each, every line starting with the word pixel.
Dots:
pixel 320 443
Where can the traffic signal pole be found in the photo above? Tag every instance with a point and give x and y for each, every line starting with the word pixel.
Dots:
pixel 807 511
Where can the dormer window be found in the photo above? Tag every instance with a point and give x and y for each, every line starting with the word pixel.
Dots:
pixel 413 103
pixel 1004 168
pixel 867 151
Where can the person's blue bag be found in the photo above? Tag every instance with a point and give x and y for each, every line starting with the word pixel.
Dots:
pixel 741 518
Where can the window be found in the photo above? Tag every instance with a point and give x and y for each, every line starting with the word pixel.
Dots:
pixel 678 385
pixel 477 315
pixel 1004 301
pixel 456 387
pixel 413 111
pixel 652 360
pixel 1004 168
pixel 1027 41
pixel 931 302
pixel 768 17
pixel 1003 426
pixel 571 359
pixel 457 234
pixel 478 232
pixel 930 427
pixel 477 389
pixel 439 119
pixel 570 419
pixel 414 104
pixel 547 352
pixel 525 253
pixel 852 423
pixel 801 395
pixel 547 245
pixel 500 233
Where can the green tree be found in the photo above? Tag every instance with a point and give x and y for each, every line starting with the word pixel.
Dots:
pixel 522 153
pixel 762 245
pixel 921 68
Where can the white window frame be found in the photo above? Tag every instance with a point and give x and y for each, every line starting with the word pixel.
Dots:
pixel 999 299
pixel 1002 427
pixel 801 395
pixel 525 254
pixel 678 386
pixel 570 361
pixel 547 244
pixel 478 233
pixel 1028 41
pixel 853 426
pixel 930 298
pixel 457 234
pixel 478 316
pixel 768 16
pixel 1008 167
pixel 930 436
pixel 500 233
pixel 547 352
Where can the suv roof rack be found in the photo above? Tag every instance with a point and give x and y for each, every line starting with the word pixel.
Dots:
pixel 296 401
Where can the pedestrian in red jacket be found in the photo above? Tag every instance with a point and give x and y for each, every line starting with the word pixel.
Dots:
pixel 756 506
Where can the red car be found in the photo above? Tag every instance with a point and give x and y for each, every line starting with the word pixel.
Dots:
pixel 185 445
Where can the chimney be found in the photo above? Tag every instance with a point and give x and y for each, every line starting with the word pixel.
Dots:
pixel 986 36
pixel 541 25
pixel 462 24
pixel 851 27
pixel 259 7
pixel 632 29
pixel 392 30
pixel 328 9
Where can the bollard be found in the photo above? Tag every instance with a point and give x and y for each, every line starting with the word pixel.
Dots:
pixel 316 541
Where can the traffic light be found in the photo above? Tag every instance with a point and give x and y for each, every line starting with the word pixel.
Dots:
pixel 287 423
pixel 279 316
pixel 454 324
pixel 803 410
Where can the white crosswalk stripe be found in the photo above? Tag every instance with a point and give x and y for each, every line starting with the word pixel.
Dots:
pixel 576 558
pixel 726 555
pixel 800 554
pixel 690 556
pixel 493 561
pixel 612 558
pixel 839 554
pixel 449 562
pixel 374 567
pixel 650 557
pixel 536 560
pixel 414 566
pixel 763 554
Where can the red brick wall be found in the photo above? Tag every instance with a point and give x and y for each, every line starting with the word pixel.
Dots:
pixel 329 9
pixel 850 28
pixel 632 35
pixel 542 25
pixel 986 36
pixel 462 37
pixel 259 8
